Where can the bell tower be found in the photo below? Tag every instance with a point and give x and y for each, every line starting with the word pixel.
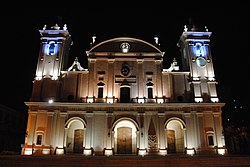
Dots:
pixel 53 57
pixel 196 56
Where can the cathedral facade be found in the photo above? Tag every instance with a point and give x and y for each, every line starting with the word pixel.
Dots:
pixel 125 102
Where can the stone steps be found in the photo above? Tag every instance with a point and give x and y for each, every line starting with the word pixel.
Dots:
pixel 123 161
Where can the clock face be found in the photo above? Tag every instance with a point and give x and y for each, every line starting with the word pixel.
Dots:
pixel 201 62
pixel 125 47
pixel 125 70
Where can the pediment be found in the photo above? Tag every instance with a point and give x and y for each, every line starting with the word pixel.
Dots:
pixel 116 44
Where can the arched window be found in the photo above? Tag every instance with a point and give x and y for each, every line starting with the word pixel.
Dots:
pixel 150 89
pixel 39 137
pixel 100 89
pixel 100 92
pixel 150 92
pixel 210 137
pixel 51 48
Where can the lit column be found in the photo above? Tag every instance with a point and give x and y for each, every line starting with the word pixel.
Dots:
pixel 197 90
pixel 31 128
pixel 158 78
pixel 218 130
pixel 41 62
pixel 212 91
pixel 113 139
pixel 49 128
pixel 27 149
pixel 60 133
pixel 56 63
pixel 110 85
pixel 138 139
pixel 200 133
pixel 161 118
pixel 89 134
pixel 54 134
pixel 142 135
pixel 161 138
pixel 65 137
pixel 109 126
pixel 195 128
pixel 140 75
pixel 190 133
pixel 92 76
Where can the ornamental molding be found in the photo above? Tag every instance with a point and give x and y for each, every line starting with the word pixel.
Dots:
pixel 121 107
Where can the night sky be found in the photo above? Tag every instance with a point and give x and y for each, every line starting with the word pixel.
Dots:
pixel 21 40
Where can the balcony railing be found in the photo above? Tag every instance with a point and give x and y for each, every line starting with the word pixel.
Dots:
pixel 132 100
pixel 99 100
pixel 150 100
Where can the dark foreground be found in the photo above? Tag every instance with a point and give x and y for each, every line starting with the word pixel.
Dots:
pixel 124 161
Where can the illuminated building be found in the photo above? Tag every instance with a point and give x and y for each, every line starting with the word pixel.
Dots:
pixel 125 102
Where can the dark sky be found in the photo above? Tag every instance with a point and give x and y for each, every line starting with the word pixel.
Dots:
pixel 20 40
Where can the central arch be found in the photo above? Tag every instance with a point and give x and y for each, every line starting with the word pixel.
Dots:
pixel 125 136
pixel 175 135
pixel 74 135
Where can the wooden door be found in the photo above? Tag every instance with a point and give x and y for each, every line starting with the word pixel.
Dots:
pixel 124 140
pixel 171 141
pixel 78 141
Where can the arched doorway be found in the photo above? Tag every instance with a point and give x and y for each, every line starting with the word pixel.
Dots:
pixel 175 136
pixel 125 134
pixel 74 135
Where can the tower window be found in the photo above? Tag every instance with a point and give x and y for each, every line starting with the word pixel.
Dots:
pixel 51 50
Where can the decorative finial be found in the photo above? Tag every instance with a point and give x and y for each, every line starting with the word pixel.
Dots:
pixel 156 40
pixel 55 27
pixel 44 27
pixel 65 27
pixel 76 66
pixel 76 59
pixel 185 28
pixel 174 66
pixel 206 28
pixel 93 38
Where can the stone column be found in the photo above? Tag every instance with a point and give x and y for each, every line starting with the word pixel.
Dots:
pixel 89 134
pixel 92 78
pixel 49 129
pixel 61 127
pixel 161 131
pixel 219 138
pixel 109 129
pixel 190 131
pixel 158 78
pixel 140 80
pixel 110 85
pixel 31 128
